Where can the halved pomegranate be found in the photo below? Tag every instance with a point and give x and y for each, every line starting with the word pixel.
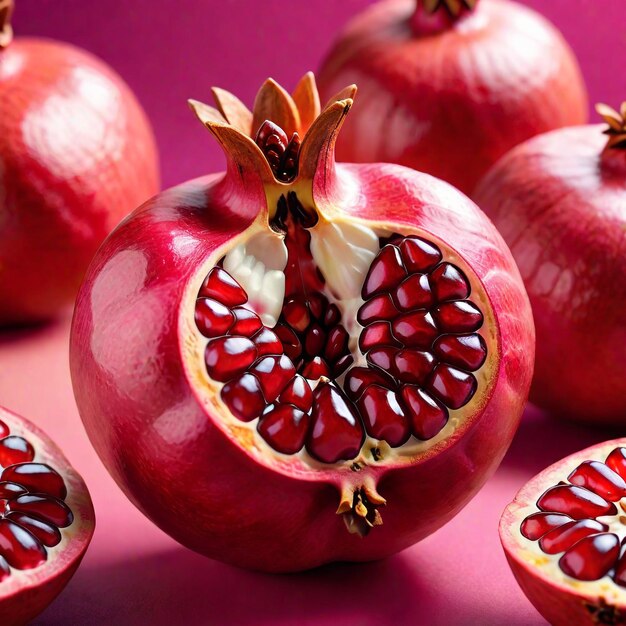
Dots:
pixel 559 201
pixel 449 86
pixel 46 520
pixel 564 536
pixel 257 350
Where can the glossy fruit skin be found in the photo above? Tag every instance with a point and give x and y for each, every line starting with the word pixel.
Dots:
pixel 452 103
pixel 24 599
pixel 78 154
pixel 163 446
pixel 558 201
pixel 560 604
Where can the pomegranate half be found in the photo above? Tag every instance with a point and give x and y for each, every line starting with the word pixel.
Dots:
pixel 449 86
pixel 559 201
pixel 77 155
pixel 564 536
pixel 257 351
pixel 46 520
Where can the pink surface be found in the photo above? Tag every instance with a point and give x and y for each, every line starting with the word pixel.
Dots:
pixel 133 574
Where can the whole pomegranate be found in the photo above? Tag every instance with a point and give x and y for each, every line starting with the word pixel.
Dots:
pixel 559 201
pixel 46 520
pixel 449 86
pixel 267 357
pixel 77 155
pixel 563 536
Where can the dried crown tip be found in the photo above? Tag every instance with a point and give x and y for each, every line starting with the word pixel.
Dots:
pixel 6 32
pixel 617 124
pixel 454 7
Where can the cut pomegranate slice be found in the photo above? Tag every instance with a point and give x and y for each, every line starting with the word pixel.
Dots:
pixel 564 535
pixel 46 520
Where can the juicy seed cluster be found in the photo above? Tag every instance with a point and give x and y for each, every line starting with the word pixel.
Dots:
pixel 419 339
pixel 567 520
pixel 280 151
pixel 32 507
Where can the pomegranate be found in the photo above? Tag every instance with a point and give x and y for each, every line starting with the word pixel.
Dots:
pixel 46 520
pixel 257 350
pixel 564 537
pixel 77 155
pixel 449 86
pixel 559 201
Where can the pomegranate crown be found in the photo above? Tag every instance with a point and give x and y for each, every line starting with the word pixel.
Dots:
pixel 617 125
pixel 6 32
pixel 285 135
pixel 454 7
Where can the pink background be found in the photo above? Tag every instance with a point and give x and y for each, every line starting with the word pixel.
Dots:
pixel 133 574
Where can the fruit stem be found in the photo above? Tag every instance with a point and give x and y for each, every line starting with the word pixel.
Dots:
pixel 6 31
pixel 435 16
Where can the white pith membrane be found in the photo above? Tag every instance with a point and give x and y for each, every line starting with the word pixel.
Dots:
pixel 529 551
pixel 74 538
pixel 335 244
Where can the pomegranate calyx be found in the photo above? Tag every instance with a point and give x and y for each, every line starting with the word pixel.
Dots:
pixel 359 508
pixel 453 7
pixel 6 31
pixel 617 125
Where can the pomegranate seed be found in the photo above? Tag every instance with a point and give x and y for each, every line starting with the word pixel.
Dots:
pixel 267 342
pixel 342 365
pixel 14 449
pixel 19 547
pixel 314 340
pixel 332 316
pixel 466 351
pixel 416 330
pixel 8 491
pixel 620 572
pixel 226 357
pixel 46 508
pixel 284 428
pixel 4 429
pixel 315 369
pixel 377 334
pixel 427 416
pixel 221 286
pixel 449 283
pixel 317 305
pixel 452 386
pixel 290 341
pixel 36 477
pixel 382 357
pixel 213 319
pixel 273 373
pixel 458 317
pixel 359 378
pixel 537 525
pixel 47 534
pixel 564 537
pixel 378 308
pixel 383 417
pixel 597 477
pixel 296 314
pixel 337 343
pixel 617 461
pixel 298 392
pixel 244 397
pixel 336 431
pixel 591 558
pixel 413 293
pixel 577 502
pixel 419 255
pixel 5 570
pixel 247 322
pixel 385 272
pixel 412 366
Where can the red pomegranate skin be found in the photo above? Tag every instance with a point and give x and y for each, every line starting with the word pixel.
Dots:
pixel 168 451
pixel 559 201
pixel 453 102
pixel 78 154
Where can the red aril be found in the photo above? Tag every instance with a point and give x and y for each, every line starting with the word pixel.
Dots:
pixel 559 201
pixel 289 427
pixel 445 84
pixel 77 155
pixel 46 520
pixel 564 536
